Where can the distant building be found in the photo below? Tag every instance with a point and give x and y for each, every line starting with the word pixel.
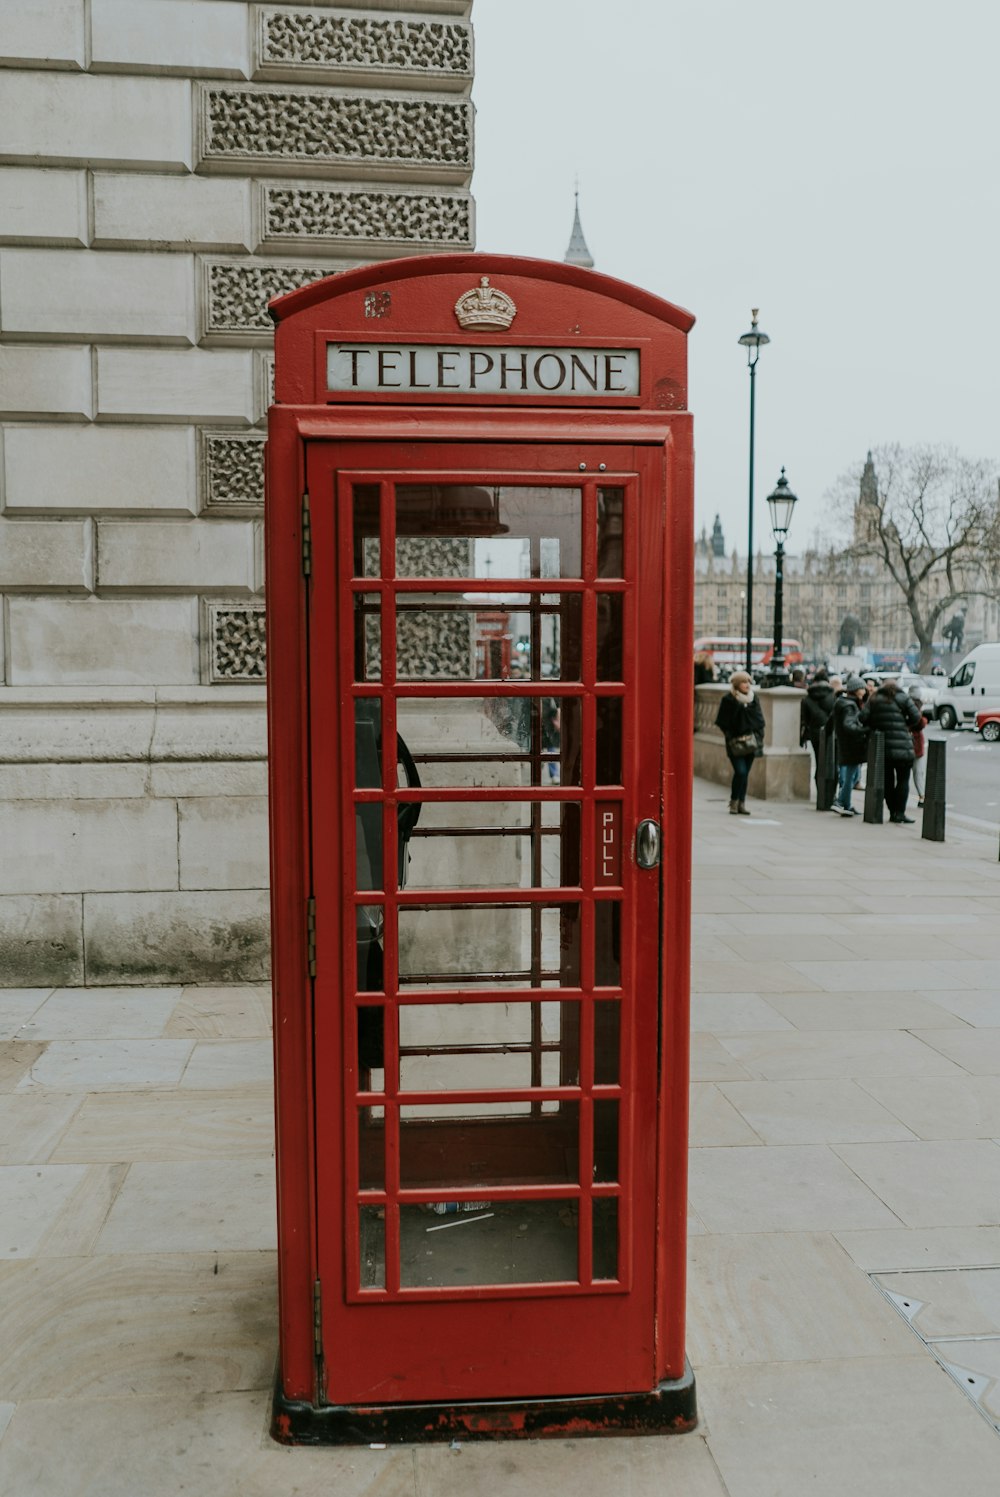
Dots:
pixel 577 252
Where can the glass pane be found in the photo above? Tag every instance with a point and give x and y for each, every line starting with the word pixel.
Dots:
pixel 517 1242
pixel 506 741
pixel 367 637
pixel 371 1149
pixel 606 1141
pixel 483 945
pixel 610 532
pixel 466 530
pixel 607 944
pixel 372 1244
pixel 478 1146
pixel 506 639
pixel 473 1046
pixel 609 740
pixel 371 1047
pixel 609 636
pixel 371 963
pixel 605 1236
pixel 493 845
pixel 366 530
pixel 368 743
pixel 607 1042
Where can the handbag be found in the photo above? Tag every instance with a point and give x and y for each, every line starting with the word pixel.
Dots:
pixel 742 745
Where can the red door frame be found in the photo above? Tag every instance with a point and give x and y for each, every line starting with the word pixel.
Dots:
pixel 291 874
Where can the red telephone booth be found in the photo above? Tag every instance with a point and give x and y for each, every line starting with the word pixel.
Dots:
pixel 480 856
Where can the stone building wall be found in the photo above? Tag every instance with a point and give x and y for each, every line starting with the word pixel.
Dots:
pixel 165 167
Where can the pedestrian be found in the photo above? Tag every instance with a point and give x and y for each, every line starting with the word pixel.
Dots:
pixel 799 678
pixel 814 713
pixel 892 713
pixel 852 742
pixel 920 749
pixel 742 723
pixel 704 667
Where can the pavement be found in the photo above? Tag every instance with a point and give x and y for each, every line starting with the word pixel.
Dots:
pixel 844 1291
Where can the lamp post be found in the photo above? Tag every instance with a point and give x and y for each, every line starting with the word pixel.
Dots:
pixel 780 502
pixel 753 342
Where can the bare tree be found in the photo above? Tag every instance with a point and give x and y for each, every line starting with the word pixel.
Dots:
pixel 930 519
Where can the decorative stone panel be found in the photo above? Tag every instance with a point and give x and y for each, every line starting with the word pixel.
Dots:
pixel 336 47
pixel 231 473
pixel 234 295
pixel 234 643
pixel 370 134
pixel 339 218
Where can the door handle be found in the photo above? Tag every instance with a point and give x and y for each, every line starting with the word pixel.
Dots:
pixel 647 844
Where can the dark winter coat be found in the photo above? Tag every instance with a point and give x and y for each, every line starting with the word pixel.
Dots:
pixel 814 712
pixel 894 714
pixel 735 719
pixel 852 739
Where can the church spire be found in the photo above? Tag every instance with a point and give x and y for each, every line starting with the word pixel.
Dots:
pixel 578 253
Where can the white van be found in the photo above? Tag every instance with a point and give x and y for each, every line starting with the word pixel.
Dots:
pixel 974 687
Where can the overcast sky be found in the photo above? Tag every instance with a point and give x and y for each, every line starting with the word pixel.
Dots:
pixel 836 165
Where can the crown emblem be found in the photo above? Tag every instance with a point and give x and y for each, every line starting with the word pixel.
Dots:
pixel 485 307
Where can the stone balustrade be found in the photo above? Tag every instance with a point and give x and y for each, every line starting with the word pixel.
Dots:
pixel 783 772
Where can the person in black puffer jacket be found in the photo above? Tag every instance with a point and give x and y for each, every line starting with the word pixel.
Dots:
pixel 814 714
pixel 891 712
pixel 852 742
pixel 740 716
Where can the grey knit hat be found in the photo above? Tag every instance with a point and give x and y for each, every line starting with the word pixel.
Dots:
pixel 854 683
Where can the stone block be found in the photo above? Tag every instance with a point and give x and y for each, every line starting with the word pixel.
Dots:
pixel 229 726
pixel 42 207
pixel 72 781
pixel 96 469
pixel 234 641
pixel 306 43
pixel 165 36
pixel 176 385
pixel 42 556
pixel 63 120
pixel 171 212
pixel 65 846
pixel 214 936
pixel 222 842
pixel 220 778
pixel 41 940
pixel 359 221
pixel 369 134
pixel 102 641
pixel 52 293
pixel 176 556
pixel 53 725
pixel 46 381
pixel 48 35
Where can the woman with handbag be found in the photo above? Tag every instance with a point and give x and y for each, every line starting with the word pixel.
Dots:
pixel 742 723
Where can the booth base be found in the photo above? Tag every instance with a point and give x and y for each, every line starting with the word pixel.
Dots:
pixel 670 1408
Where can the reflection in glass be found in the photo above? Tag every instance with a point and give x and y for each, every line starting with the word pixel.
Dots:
pixel 481 1046
pixel 609 636
pixel 508 637
pixel 370 963
pixel 609 740
pixel 493 741
pixel 494 845
pixel 607 1042
pixel 485 945
pixel 502 531
pixel 372 1246
pixel 516 1242
pixel 605 1237
pixel 366 529
pixel 371 1150
pixel 607 943
pixel 606 1141
pixel 481 1145
pixel 367 637
pixel 610 532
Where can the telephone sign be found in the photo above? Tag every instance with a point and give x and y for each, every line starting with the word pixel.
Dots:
pixel 479 546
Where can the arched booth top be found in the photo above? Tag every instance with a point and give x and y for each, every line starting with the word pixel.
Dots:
pixel 475 328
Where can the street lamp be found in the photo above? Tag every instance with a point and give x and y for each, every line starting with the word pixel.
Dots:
pixel 753 342
pixel 780 502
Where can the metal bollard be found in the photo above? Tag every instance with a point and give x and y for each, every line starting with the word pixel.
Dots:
pixel 875 779
pixel 826 769
pixel 932 827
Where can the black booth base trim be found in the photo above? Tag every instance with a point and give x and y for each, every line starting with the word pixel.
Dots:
pixel 670 1408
